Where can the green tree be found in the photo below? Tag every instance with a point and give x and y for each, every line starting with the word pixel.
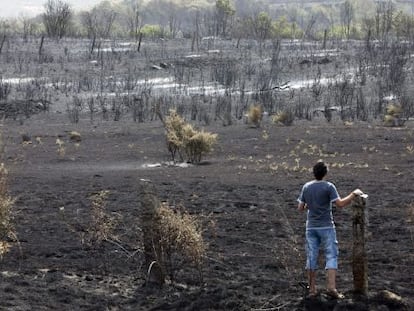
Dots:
pixel 262 26
pixel 281 28
pixel 152 31
pixel 224 12
pixel 404 25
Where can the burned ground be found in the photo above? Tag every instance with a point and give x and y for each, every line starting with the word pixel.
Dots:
pixel 244 193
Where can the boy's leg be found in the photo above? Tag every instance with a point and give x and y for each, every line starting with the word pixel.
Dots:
pixel 331 287
pixel 312 282
pixel 312 251
pixel 330 245
pixel 331 280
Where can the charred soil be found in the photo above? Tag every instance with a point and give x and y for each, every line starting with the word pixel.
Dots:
pixel 244 193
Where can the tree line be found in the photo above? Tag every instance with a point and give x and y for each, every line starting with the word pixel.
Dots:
pixel 349 19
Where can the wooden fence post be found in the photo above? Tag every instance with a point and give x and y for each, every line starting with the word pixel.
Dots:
pixel 359 255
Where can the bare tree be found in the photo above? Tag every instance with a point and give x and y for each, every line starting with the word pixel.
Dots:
pixel 347 16
pixel 384 16
pixel 4 32
pixel 133 18
pixel 28 27
pixel 240 29
pixel 57 18
pixel 173 21
pixel 308 33
pixel 195 44
pixel 99 21
pixel 88 22
pixel 368 27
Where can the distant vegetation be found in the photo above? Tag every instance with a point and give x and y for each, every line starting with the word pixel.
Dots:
pixel 350 19
pixel 210 61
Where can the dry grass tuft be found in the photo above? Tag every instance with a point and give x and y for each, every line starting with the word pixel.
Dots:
pixel 61 149
pixel 7 230
pixel 284 117
pixel 183 139
pixel 102 224
pixel 394 110
pixel 99 227
pixel 392 116
pixel 199 144
pixel 174 126
pixel 410 220
pixel 75 136
pixel 179 233
pixel 255 115
pixel 411 213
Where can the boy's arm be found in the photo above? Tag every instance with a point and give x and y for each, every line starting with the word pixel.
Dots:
pixel 348 199
pixel 301 206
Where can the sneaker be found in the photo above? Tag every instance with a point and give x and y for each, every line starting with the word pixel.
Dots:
pixel 333 293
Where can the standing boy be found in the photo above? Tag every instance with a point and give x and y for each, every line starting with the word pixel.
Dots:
pixel 317 197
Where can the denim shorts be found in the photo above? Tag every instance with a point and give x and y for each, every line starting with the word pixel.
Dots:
pixel 325 239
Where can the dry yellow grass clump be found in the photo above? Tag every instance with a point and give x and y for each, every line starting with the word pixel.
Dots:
pixel 392 115
pixel 283 117
pixel 6 220
pixel 174 126
pixel 179 232
pixel 102 225
pixel 75 136
pixel 61 150
pixel 255 115
pixel 198 144
pixel 182 138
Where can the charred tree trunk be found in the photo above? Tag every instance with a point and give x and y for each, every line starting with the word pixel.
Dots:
pixel 359 255
pixel 41 47
pixel 2 42
pixel 325 37
pixel 139 42
pixel 193 39
pixel 92 45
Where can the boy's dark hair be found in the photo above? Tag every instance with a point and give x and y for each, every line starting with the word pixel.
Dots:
pixel 320 170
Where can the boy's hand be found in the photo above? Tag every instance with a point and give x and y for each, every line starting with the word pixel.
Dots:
pixel 302 206
pixel 358 192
